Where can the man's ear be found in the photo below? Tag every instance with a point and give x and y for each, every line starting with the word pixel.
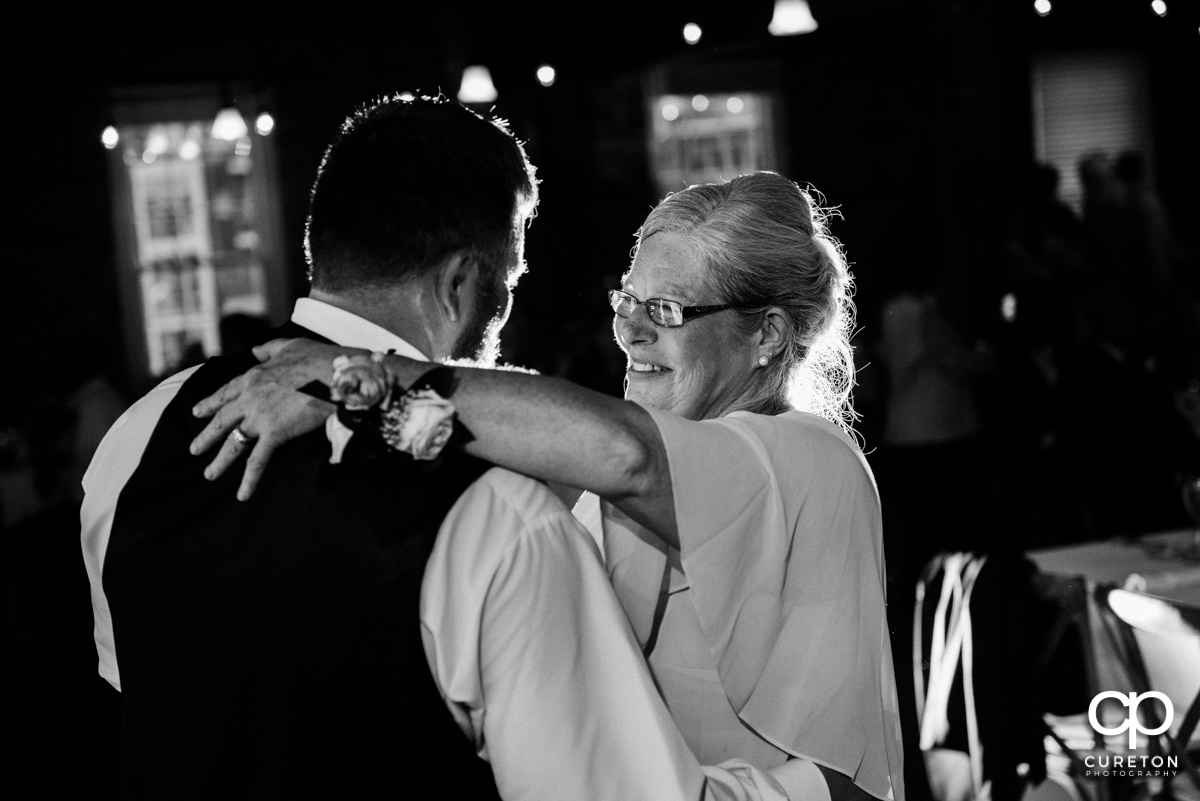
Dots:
pixel 456 281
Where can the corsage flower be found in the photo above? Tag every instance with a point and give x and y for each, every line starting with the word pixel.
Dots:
pixel 360 382
pixel 420 422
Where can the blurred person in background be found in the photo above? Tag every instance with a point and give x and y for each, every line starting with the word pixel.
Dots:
pixel 49 665
pixel 934 479
pixel 1133 355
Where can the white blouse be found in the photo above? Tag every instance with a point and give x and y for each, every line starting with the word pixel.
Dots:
pixel 773 639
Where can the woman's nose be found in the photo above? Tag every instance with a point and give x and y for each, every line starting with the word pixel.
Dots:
pixel 637 328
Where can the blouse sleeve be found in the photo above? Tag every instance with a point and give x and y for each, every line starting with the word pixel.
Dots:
pixel 781 542
pixel 635 560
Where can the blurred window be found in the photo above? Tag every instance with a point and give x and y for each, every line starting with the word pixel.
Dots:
pixel 196 233
pixel 707 138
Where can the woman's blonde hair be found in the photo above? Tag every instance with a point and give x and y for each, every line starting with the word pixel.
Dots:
pixel 765 243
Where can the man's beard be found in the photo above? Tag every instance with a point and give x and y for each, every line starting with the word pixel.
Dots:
pixel 480 341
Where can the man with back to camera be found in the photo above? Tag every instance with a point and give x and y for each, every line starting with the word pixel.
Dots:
pixel 343 629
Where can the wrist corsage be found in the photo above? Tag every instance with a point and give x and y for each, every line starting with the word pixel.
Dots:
pixel 419 421
pixel 361 382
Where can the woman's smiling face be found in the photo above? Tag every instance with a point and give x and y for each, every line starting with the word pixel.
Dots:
pixel 697 370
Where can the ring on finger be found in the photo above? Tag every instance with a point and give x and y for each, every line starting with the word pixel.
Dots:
pixel 239 436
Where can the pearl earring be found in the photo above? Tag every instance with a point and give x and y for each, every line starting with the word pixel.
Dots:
pixel 762 361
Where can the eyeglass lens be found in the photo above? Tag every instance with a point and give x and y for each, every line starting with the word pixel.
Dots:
pixel 667 313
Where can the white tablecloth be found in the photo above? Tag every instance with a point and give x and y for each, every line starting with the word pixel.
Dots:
pixel 1155 558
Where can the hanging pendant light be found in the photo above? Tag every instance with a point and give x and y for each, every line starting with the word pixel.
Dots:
pixel 476 86
pixel 229 125
pixel 791 17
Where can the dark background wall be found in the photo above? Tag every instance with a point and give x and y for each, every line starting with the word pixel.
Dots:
pixel 913 118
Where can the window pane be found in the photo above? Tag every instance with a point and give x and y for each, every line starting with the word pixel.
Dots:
pixel 197 236
pixel 706 138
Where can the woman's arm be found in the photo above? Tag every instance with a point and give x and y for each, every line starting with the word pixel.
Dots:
pixel 544 427
pixel 554 430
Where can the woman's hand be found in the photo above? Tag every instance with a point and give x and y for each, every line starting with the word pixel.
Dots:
pixel 265 407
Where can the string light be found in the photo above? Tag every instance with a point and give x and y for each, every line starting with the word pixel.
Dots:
pixel 692 33
pixel 546 75
pixel 1160 8
pixel 158 141
pixel 110 137
pixel 1042 7
pixel 264 123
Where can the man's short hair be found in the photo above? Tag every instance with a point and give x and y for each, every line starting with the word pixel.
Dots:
pixel 406 182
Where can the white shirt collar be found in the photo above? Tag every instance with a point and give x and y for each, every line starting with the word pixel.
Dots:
pixel 347 328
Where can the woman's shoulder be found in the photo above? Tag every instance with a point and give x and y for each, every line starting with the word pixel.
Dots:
pixel 793 428
pixel 797 448
pixel 804 444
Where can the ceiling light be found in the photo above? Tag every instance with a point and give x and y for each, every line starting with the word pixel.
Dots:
pixel 477 86
pixel 791 17
pixel 264 123
pixel 229 125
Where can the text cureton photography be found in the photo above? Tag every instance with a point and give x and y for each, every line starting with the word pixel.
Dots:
pixel 1130 765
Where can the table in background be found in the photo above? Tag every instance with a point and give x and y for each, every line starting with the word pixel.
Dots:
pixel 1075 576
pixel 1114 561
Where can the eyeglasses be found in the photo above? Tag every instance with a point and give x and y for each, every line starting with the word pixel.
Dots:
pixel 663 312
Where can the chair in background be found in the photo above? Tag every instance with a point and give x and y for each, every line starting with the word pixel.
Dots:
pixel 1076 620
pixel 973 652
pixel 1162 647
pixel 948 661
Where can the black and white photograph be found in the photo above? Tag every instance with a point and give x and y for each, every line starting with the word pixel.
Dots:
pixel 782 400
